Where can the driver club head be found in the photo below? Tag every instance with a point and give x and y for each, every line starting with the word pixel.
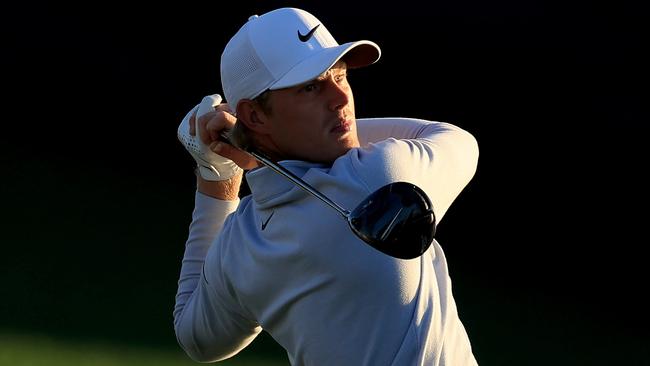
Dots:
pixel 397 220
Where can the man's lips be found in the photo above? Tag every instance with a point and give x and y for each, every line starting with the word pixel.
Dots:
pixel 342 127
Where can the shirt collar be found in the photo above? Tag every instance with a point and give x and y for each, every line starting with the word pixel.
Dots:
pixel 269 188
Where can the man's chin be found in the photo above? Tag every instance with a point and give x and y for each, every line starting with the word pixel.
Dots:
pixel 343 149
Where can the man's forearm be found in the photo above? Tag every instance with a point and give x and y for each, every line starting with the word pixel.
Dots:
pixel 225 190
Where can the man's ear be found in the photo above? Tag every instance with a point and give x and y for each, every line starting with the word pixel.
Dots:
pixel 250 113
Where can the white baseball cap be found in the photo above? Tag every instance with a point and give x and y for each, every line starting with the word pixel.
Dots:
pixel 284 48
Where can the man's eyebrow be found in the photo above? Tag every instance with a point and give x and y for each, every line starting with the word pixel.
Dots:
pixel 323 76
pixel 336 71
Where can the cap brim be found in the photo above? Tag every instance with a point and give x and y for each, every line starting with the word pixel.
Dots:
pixel 356 54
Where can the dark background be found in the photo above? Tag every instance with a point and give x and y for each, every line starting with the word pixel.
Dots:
pixel 544 246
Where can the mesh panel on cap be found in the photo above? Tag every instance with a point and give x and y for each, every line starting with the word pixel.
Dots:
pixel 243 73
pixel 245 63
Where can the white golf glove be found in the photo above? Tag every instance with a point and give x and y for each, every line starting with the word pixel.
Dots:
pixel 213 167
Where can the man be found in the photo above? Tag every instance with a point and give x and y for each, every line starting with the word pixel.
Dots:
pixel 281 260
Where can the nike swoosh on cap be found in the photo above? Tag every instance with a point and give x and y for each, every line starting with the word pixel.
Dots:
pixel 307 37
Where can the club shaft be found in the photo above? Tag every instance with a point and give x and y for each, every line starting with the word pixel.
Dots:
pixel 299 182
pixel 225 137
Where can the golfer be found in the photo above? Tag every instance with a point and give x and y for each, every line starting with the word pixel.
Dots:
pixel 279 259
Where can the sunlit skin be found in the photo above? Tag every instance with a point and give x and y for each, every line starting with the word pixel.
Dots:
pixel 313 121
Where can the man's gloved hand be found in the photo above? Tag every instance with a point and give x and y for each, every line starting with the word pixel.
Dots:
pixel 212 166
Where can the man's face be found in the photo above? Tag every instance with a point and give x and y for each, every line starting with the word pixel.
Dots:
pixel 313 121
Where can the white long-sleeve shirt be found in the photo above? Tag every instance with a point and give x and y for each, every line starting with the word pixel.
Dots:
pixel 283 261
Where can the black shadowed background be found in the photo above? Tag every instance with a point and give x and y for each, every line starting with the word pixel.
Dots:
pixel 545 246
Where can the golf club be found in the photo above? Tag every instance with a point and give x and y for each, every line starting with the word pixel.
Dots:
pixel 397 219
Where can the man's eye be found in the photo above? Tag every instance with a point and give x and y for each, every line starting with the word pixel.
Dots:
pixel 309 87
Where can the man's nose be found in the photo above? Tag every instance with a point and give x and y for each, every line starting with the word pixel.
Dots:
pixel 338 94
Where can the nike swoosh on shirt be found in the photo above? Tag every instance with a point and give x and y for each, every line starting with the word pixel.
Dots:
pixel 267 221
pixel 306 37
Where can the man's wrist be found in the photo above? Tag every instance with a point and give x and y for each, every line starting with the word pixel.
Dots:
pixel 225 190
